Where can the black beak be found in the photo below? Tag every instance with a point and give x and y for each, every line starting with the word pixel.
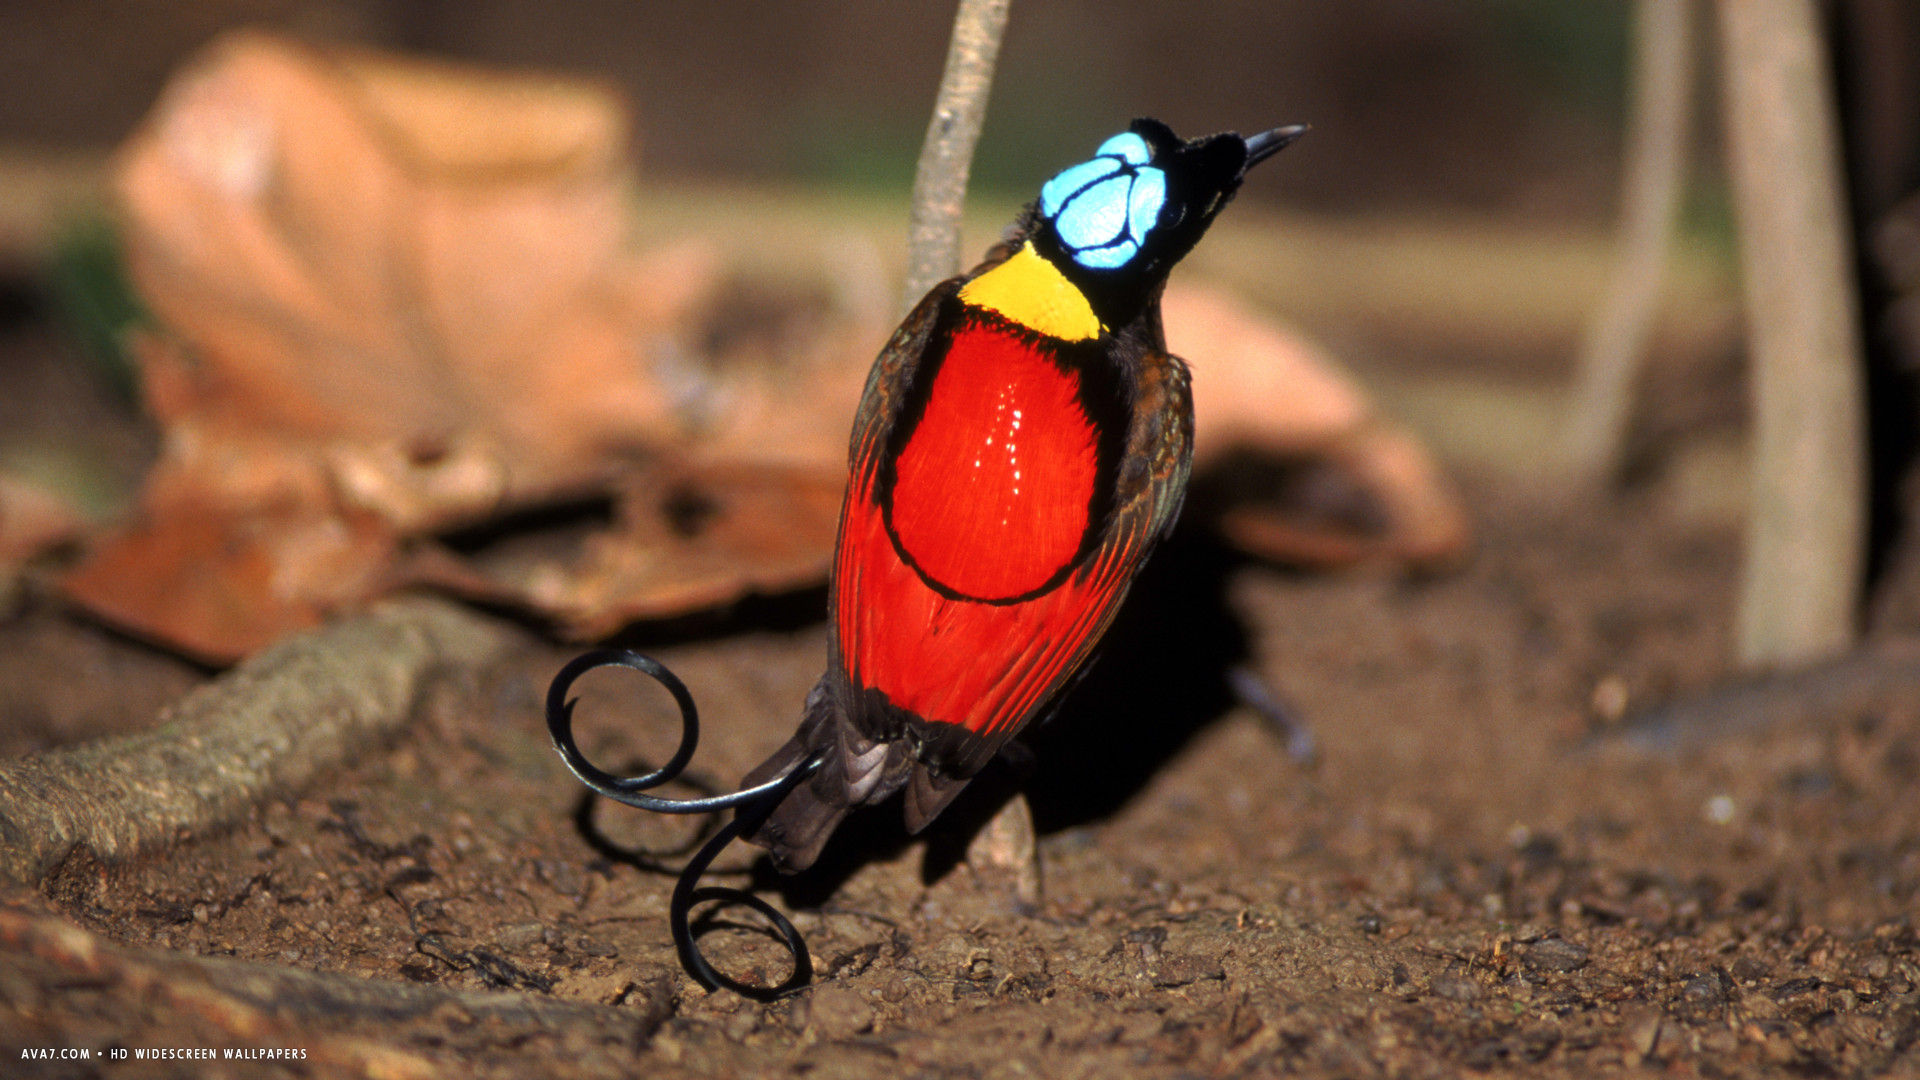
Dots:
pixel 1268 143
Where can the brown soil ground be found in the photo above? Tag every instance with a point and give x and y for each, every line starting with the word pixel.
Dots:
pixel 1473 870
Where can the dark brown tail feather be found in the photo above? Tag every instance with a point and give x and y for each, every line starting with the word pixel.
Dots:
pixel 799 827
pixel 854 770
pixel 927 795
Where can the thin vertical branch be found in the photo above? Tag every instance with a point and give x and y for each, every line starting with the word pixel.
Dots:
pixel 1656 157
pixel 940 182
pixel 1806 520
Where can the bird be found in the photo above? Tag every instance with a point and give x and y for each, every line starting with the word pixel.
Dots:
pixel 1022 444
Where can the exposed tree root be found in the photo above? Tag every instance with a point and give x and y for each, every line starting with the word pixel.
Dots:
pixel 267 727
pixel 109 997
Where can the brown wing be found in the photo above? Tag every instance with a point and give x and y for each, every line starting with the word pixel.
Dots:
pixel 888 381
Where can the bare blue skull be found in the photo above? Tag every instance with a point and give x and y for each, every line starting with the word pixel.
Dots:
pixel 1103 209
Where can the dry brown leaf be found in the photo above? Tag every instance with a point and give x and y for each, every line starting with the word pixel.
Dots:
pixel 394 298
pixel 686 539
pixel 360 247
pixel 219 586
pixel 1319 478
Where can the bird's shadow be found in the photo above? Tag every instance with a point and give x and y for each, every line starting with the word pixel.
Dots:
pixel 1162 676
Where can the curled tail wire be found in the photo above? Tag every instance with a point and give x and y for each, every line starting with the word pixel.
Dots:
pixel 754 804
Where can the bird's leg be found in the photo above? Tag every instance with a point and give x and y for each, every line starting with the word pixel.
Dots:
pixel 1007 848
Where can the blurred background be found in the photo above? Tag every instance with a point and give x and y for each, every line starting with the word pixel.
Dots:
pixel 1505 106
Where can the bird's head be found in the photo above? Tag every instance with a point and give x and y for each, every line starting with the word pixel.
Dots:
pixel 1115 225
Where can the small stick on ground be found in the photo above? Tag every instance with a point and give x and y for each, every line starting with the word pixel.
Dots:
pixel 946 158
pixel 265 728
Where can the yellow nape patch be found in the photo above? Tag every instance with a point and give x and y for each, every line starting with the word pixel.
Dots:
pixel 1027 289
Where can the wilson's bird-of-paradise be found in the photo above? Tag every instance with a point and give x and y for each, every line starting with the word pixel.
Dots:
pixel 1022 444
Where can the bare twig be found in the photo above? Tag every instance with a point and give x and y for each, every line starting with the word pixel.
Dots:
pixel 940 181
pixel 268 726
pixel 1656 158
pixel 1806 517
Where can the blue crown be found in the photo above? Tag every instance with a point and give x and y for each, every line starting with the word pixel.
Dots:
pixel 1103 209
